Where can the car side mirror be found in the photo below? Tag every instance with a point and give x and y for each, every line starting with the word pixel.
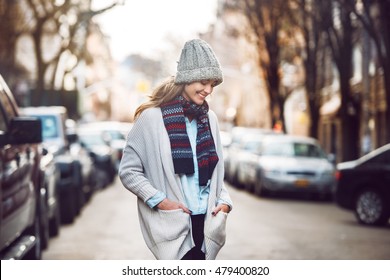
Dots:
pixel 23 130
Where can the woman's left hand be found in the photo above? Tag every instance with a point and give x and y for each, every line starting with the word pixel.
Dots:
pixel 221 207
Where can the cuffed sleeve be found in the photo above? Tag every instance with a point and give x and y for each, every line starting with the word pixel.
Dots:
pixel 156 199
pixel 224 198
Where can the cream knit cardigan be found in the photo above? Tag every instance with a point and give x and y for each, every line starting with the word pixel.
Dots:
pixel 147 167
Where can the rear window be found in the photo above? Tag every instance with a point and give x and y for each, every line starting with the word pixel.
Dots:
pixel 381 159
pixel 49 127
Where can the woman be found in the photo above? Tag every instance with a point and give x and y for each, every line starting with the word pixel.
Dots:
pixel 173 162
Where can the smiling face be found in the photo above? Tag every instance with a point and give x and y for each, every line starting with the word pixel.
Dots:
pixel 198 91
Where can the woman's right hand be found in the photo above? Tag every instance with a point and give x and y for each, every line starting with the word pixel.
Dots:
pixel 167 204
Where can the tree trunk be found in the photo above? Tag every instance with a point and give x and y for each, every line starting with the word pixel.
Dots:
pixel 350 123
pixel 385 23
pixel 386 78
pixel 311 93
pixel 41 67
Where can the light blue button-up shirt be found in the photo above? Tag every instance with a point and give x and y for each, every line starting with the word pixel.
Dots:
pixel 196 196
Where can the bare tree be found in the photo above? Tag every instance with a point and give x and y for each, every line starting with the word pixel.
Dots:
pixel 337 23
pixel 267 20
pixel 374 16
pixel 11 28
pixel 307 16
pixel 65 22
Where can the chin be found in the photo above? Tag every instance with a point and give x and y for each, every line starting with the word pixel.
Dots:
pixel 199 102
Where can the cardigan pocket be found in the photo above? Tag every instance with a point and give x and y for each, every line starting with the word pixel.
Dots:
pixel 216 229
pixel 169 225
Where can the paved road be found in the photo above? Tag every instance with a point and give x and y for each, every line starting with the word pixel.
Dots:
pixel 258 228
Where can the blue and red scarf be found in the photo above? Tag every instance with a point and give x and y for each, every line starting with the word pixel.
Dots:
pixel 173 113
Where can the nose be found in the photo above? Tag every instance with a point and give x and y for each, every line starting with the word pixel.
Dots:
pixel 208 89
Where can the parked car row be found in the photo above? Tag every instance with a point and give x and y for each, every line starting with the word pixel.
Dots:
pixel 109 137
pixel 48 173
pixel 265 163
pixel 233 151
pixel 73 182
pixel 86 162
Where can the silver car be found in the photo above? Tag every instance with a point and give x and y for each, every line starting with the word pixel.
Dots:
pixel 250 147
pixel 238 135
pixel 292 164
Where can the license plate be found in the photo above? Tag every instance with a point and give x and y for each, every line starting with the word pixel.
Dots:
pixel 301 183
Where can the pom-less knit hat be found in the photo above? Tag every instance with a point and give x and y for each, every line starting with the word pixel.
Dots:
pixel 198 62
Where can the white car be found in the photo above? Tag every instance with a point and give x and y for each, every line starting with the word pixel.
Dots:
pixel 248 153
pixel 238 135
pixel 292 164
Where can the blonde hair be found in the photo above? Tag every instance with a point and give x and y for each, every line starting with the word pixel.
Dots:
pixel 165 92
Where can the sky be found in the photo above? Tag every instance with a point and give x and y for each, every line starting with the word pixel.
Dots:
pixel 140 26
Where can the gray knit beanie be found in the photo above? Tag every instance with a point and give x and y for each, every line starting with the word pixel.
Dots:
pixel 198 62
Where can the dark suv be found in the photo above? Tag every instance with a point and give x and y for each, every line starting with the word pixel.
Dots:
pixel 22 207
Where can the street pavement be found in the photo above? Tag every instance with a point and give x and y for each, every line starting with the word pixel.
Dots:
pixel 258 229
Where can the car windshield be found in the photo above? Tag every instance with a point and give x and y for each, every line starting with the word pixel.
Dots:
pixel 252 146
pixel 292 150
pixel 91 139
pixel 113 135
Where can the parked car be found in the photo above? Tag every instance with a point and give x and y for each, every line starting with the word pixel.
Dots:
pixel 50 190
pixel 363 186
pixel 292 164
pixel 103 155
pixel 72 181
pixel 90 173
pixel 226 141
pixel 22 204
pixel 113 133
pixel 238 134
pixel 249 151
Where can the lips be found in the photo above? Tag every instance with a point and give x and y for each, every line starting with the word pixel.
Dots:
pixel 203 94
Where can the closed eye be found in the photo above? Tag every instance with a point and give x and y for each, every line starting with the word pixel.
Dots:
pixel 206 82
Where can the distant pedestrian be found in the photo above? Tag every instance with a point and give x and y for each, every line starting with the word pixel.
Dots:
pixel 173 162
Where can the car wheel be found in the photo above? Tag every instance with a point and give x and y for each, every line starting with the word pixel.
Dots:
pixel 44 225
pixel 227 177
pixel 100 179
pixel 35 253
pixel 370 208
pixel 235 181
pixel 55 221
pixel 259 189
pixel 249 187
pixel 68 206
pixel 78 186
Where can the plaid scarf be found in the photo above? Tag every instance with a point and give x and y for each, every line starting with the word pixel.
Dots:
pixel 173 115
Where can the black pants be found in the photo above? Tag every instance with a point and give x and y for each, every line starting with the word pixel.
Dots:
pixel 196 253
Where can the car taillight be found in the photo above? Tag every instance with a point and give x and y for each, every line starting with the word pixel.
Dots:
pixel 337 175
